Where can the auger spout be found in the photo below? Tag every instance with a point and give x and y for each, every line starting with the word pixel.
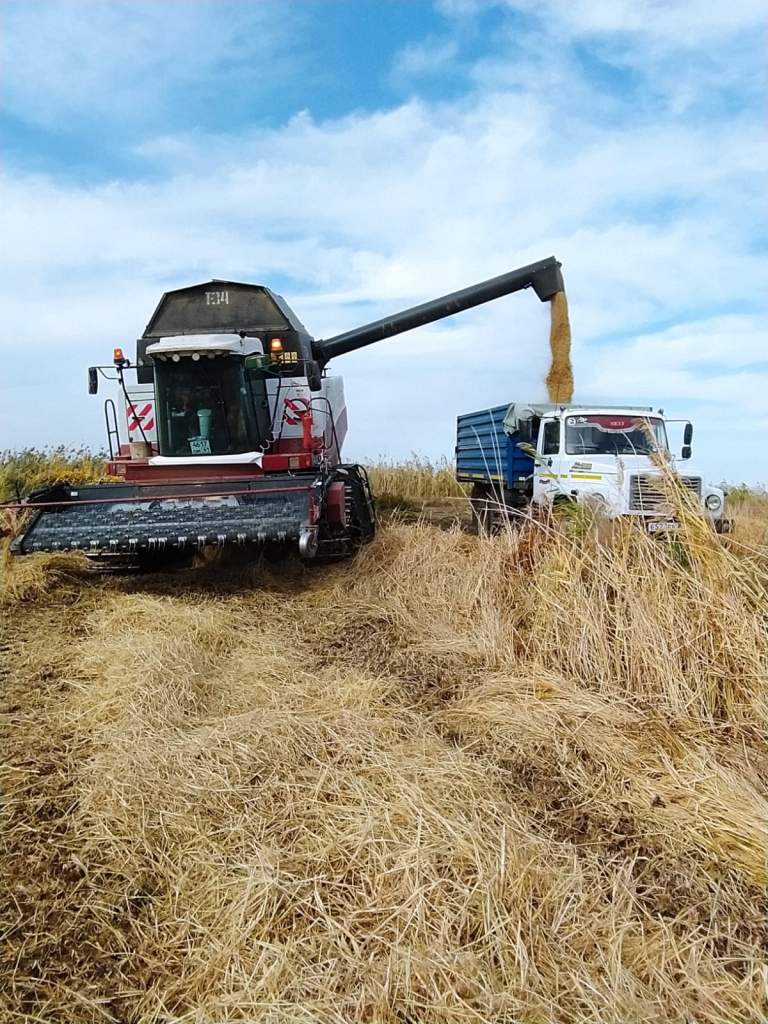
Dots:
pixel 544 277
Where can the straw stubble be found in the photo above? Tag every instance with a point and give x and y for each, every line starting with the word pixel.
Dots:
pixel 461 779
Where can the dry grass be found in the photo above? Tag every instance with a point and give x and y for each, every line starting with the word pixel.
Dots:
pixel 28 579
pixel 414 481
pixel 22 472
pixel 512 780
pixel 750 508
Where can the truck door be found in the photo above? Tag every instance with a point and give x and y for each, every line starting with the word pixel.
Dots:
pixel 546 482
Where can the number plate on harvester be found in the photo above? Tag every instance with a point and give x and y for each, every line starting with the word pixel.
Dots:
pixel 200 446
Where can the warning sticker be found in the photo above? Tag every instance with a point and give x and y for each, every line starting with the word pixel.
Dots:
pixel 141 417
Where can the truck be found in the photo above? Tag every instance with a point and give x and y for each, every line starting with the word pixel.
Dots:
pixel 525 455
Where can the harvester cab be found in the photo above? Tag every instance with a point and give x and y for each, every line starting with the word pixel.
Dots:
pixel 202 370
pixel 217 354
pixel 234 430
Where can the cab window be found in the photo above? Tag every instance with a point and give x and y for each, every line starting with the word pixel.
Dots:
pixel 550 444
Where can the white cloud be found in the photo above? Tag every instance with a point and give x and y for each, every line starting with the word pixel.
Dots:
pixel 680 22
pixel 128 59
pixel 396 205
pixel 675 55
pixel 430 57
pixel 653 216
pixel 722 361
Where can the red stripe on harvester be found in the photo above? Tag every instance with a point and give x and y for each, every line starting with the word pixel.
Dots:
pixel 139 416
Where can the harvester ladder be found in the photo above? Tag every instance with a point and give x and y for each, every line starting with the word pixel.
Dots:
pixel 113 434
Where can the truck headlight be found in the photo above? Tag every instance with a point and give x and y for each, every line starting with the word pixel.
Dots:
pixel 713 502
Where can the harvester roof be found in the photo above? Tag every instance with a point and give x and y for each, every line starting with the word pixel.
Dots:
pixel 222 307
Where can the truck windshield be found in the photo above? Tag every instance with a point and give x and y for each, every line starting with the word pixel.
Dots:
pixel 603 434
pixel 203 407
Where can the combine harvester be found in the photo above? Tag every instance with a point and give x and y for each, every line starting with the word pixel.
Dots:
pixel 235 430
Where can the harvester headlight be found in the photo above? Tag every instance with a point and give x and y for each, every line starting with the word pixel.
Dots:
pixel 175 357
pixel 713 502
pixel 195 356
pixel 275 344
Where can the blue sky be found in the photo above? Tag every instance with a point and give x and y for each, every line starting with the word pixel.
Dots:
pixel 362 156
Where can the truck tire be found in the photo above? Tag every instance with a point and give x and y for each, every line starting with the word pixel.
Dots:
pixel 482 502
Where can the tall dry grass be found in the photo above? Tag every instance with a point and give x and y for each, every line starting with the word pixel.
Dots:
pixel 414 481
pixel 750 508
pixel 516 779
pixel 29 469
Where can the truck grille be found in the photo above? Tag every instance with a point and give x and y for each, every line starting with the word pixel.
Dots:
pixel 646 492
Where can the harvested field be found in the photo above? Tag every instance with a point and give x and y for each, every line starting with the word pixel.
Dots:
pixel 459 779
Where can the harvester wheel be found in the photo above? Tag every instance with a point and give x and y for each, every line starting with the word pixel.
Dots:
pixel 309 543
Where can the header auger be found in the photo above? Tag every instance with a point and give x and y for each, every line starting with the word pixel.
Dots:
pixel 234 430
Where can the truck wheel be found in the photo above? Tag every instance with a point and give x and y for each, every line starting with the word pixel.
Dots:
pixel 482 502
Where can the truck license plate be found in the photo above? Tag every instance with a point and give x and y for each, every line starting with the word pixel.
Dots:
pixel 663 526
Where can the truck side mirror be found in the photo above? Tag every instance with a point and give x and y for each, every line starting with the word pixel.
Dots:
pixel 686 452
pixel 688 435
pixel 93 380
pixel 314 376
pixel 525 431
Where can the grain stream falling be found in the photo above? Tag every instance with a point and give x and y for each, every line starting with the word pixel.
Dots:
pixel 560 377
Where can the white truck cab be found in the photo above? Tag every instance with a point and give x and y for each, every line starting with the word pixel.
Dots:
pixel 611 457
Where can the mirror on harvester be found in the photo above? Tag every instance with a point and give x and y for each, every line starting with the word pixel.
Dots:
pixel 686 452
pixel 314 376
pixel 688 434
pixel 93 380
